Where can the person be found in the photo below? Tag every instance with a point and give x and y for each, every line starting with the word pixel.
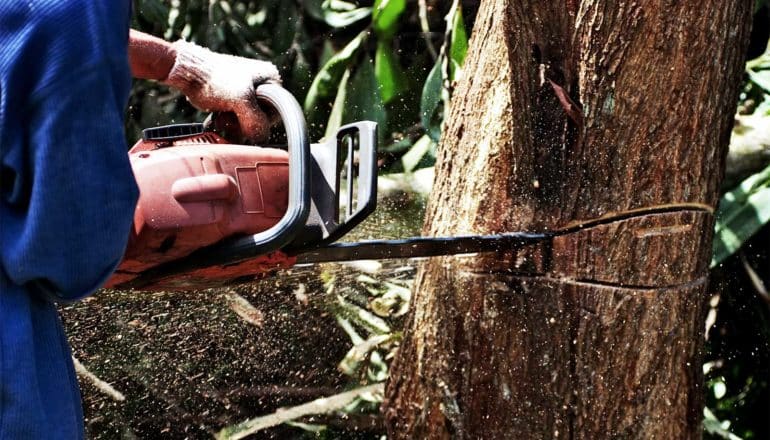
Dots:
pixel 67 193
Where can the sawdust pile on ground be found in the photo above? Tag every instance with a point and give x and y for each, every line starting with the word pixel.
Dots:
pixel 188 365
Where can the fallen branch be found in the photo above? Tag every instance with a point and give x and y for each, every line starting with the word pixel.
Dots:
pixel 358 423
pixel 323 405
pixel 100 385
pixel 277 391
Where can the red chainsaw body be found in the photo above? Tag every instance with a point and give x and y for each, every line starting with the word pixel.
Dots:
pixel 195 192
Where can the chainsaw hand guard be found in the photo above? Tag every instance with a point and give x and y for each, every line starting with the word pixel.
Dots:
pixel 344 185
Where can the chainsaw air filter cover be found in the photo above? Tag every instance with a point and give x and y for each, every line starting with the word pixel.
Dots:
pixel 196 189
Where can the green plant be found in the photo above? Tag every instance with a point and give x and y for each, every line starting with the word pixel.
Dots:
pixel 344 60
pixel 745 209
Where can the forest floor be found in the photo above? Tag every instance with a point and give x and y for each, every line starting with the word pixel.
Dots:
pixel 188 365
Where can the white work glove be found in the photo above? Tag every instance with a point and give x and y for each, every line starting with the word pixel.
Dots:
pixel 223 83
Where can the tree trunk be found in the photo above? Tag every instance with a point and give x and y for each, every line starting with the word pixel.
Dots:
pixel 608 120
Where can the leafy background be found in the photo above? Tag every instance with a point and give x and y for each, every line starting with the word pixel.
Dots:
pixel 393 62
pixel 385 61
pixel 737 361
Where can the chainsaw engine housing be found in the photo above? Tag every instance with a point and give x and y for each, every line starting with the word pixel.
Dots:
pixel 197 190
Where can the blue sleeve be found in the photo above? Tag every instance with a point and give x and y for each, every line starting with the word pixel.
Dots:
pixel 67 229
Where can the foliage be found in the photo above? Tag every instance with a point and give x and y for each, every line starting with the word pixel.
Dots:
pixel 346 61
pixel 714 426
pixel 738 327
pixel 742 212
pixel 745 209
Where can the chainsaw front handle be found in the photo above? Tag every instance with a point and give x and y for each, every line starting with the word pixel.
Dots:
pixel 283 232
pixel 299 174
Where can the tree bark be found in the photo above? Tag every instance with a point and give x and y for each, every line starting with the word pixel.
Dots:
pixel 608 120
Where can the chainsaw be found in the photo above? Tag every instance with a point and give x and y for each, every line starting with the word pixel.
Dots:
pixel 212 213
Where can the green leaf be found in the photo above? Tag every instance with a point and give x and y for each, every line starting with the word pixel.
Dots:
pixel 715 427
pixel 327 52
pixel 154 11
pixel 458 44
pixel 742 212
pixel 364 101
pixel 300 76
pixel 430 104
pixel 338 108
pixel 761 79
pixel 285 28
pixel 390 76
pixel 758 5
pixel 424 146
pixel 385 16
pixel 352 361
pixel 257 18
pixel 339 5
pixel 342 19
pixel 761 62
pixel 739 196
pixel 314 9
pixel 454 70
pixel 393 303
pixel 398 147
pixel 336 13
pixel 361 317
pixel 325 82
pixel 349 329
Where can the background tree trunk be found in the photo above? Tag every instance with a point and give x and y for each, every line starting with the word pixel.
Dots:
pixel 610 119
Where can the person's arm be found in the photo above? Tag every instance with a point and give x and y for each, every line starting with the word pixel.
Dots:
pixel 211 81
pixel 69 196
pixel 150 57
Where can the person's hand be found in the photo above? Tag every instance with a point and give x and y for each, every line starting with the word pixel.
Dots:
pixel 223 83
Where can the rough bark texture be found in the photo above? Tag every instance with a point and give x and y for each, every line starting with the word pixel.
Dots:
pixel 609 120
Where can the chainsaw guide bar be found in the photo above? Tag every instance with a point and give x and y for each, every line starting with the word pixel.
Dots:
pixel 415 247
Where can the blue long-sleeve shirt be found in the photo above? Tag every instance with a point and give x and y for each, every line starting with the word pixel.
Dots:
pixel 67 194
